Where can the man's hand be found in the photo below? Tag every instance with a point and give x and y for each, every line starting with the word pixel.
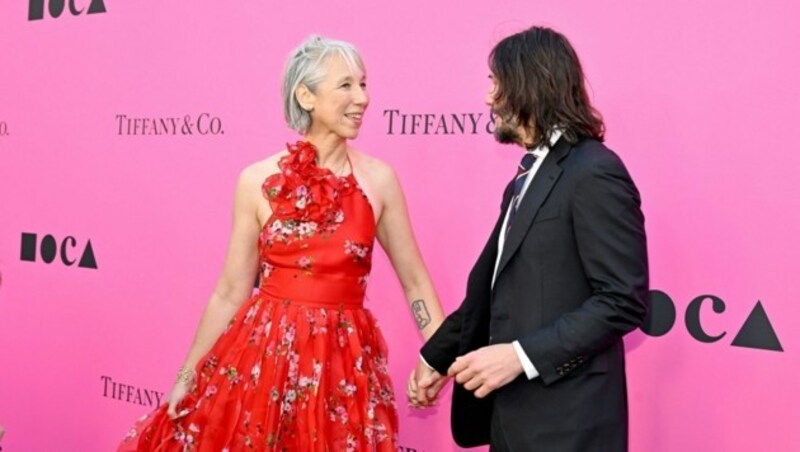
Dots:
pixel 487 369
pixel 424 385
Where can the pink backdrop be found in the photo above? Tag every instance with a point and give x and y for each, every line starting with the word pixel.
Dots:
pixel 699 99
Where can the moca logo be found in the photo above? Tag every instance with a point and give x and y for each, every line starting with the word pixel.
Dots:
pixel 756 332
pixel 49 248
pixel 56 7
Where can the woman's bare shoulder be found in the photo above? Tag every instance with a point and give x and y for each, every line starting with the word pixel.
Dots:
pixel 256 172
pixel 379 171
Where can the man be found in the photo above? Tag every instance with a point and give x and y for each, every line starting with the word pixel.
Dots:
pixel 536 346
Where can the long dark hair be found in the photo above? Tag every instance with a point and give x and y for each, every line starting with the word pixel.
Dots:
pixel 540 85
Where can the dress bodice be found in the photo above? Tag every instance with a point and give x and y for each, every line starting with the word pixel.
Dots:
pixel 317 245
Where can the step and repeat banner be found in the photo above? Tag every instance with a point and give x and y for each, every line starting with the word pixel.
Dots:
pixel 124 126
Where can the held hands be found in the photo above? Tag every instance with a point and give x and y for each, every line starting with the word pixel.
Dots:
pixel 486 369
pixel 424 385
pixel 481 371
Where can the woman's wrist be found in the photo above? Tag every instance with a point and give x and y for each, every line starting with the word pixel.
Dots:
pixel 186 375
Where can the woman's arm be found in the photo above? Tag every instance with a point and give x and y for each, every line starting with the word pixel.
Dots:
pixel 235 284
pixel 397 239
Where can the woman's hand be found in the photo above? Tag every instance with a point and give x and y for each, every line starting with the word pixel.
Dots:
pixel 183 384
pixel 424 385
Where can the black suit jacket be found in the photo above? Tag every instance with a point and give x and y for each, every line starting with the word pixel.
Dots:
pixel 572 280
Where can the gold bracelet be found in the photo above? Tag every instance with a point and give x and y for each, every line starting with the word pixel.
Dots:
pixel 186 375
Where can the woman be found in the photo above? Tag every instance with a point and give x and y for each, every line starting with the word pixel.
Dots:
pixel 301 365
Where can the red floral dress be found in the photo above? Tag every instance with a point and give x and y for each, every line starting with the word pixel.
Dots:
pixel 302 365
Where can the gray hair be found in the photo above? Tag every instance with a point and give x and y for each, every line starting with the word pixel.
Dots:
pixel 306 66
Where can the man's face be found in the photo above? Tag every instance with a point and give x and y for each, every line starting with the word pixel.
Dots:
pixel 506 129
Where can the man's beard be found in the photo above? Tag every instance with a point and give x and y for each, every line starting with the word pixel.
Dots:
pixel 506 134
pixel 506 130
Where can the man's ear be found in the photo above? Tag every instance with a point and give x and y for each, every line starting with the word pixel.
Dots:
pixel 305 97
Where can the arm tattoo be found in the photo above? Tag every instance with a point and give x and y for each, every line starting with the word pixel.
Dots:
pixel 421 314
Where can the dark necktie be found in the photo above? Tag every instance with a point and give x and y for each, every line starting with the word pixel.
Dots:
pixel 525 166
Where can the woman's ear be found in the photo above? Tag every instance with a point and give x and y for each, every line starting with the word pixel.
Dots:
pixel 305 98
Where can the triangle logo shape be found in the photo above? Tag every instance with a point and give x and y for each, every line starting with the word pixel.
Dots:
pixel 757 332
pixel 88 260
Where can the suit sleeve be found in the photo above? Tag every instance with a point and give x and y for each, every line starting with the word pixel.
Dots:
pixel 442 349
pixel 611 243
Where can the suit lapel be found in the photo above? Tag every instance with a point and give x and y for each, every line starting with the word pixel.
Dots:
pixel 544 180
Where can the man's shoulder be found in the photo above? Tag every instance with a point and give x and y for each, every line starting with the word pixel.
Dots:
pixel 592 155
pixel 593 150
